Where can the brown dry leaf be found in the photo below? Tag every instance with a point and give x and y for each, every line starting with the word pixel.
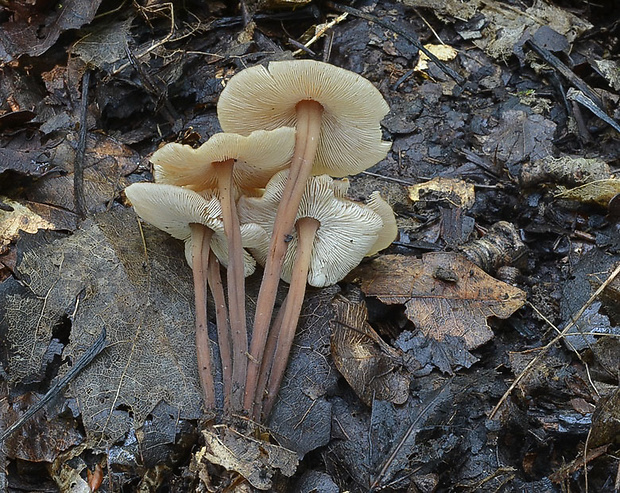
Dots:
pixel 32 31
pixel 444 294
pixel 371 366
pixel 599 192
pixel 444 53
pixel 42 438
pixel 606 420
pixel 20 218
pixel 106 164
pixel 100 277
pixel 255 460
pixel 451 190
pixel 31 217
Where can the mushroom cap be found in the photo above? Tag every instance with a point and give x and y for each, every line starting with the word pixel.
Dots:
pixel 172 209
pixel 265 97
pixel 389 231
pixel 347 229
pixel 258 156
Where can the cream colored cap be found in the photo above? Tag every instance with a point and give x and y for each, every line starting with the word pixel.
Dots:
pixel 172 209
pixel 265 97
pixel 389 231
pixel 258 157
pixel 347 229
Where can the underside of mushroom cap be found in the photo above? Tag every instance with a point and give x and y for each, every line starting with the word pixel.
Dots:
pixel 172 209
pixel 258 157
pixel 347 229
pixel 252 236
pixel 389 231
pixel 267 97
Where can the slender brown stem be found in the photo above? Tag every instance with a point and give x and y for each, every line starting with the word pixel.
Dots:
pixel 214 276
pixel 236 281
pixel 309 114
pixel 268 355
pixel 306 230
pixel 201 238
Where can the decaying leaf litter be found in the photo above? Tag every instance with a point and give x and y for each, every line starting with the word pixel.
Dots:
pixel 543 168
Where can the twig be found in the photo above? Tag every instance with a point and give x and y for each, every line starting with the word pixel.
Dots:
pixel 82 363
pixel 582 99
pixel 322 29
pixel 362 15
pixel 556 63
pixel 78 165
pixel 546 348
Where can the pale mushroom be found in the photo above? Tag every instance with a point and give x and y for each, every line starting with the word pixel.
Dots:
pixel 196 219
pixel 332 236
pixel 192 218
pixel 337 116
pixel 389 231
pixel 228 162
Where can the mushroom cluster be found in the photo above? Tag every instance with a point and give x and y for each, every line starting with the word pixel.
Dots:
pixel 264 191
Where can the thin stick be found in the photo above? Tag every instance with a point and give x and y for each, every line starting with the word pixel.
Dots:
pixel 309 114
pixel 83 362
pixel 306 231
pixel 78 164
pixel 236 281
pixel 201 238
pixel 214 276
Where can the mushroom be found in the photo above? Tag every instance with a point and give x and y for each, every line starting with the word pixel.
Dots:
pixel 337 115
pixel 389 231
pixel 228 162
pixel 195 219
pixel 332 235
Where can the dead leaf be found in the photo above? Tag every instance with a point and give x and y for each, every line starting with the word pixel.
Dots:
pixel 106 164
pixel 38 30
pixel 606 420
pixel 598 192
pixel 444 294
pixel 372 367
pixel 255 460
pixel 301 417
pixel 442 52
pixel 505 24
pixel 99 277
pixel 455 192
pixel 26 163
pixel 42 438
pixel 29 218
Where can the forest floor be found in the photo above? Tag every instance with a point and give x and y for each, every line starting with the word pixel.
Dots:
pixel 503 174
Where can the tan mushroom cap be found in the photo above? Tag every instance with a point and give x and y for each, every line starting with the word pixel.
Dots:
pixel 389 231
pixel 265 97
pixel 258 156
pixel 347 229
pixel 172 209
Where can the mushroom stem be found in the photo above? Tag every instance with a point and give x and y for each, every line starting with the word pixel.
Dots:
pixel 308 130
pixel 306 230
pixel 268 355
pixel 223 330
pixel 236 280
pixel 201 239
